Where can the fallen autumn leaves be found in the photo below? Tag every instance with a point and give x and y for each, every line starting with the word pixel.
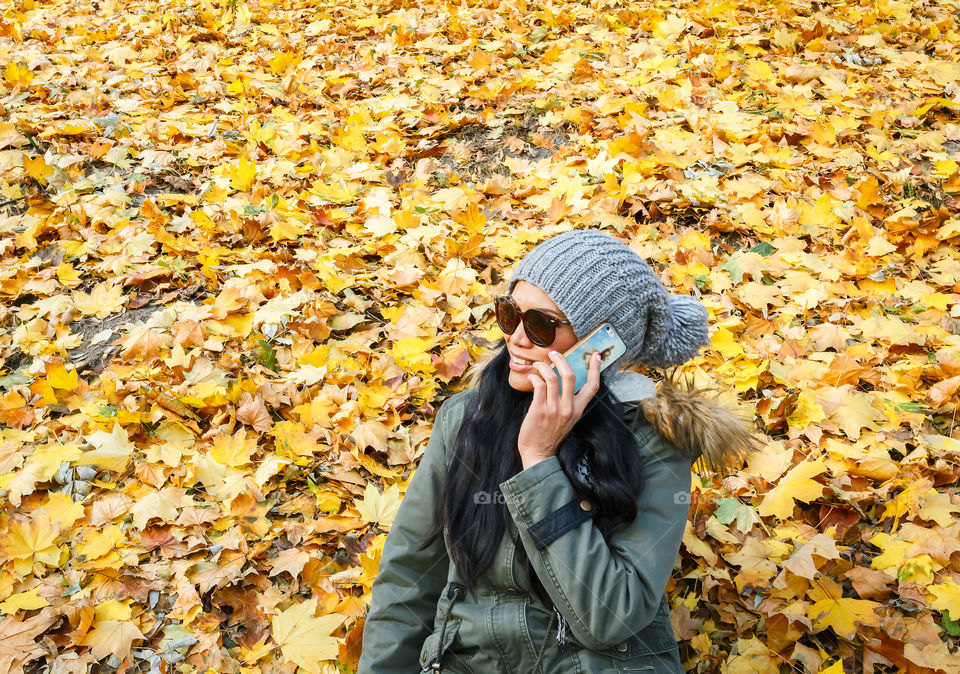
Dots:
pixel 310 206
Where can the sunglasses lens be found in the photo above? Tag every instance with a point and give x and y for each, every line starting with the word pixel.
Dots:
pixel 538 328
pixel 536 324
pixel 506 317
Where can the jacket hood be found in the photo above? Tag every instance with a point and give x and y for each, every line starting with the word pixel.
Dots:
pixel 697 424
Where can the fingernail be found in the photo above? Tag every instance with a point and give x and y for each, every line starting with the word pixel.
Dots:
pixel 553 353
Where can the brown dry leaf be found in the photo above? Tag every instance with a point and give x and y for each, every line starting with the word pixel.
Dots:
pixel 143 343
pixel 254 413
pixel 292 561
pixel 19 643
pixel 945 391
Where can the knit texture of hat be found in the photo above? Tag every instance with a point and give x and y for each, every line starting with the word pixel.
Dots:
pixel 595 278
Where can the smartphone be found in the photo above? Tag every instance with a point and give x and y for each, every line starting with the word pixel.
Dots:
pixel 605 340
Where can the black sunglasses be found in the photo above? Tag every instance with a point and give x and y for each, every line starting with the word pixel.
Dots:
pixel 539 326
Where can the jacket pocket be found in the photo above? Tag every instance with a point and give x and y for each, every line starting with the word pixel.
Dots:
pixel 432 650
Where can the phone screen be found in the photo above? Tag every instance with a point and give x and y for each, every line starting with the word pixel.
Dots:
pixel 605 341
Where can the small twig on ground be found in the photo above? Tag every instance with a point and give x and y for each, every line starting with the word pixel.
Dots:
pixel 11 201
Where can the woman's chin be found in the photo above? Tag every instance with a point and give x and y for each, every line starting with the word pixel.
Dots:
pixel 520 381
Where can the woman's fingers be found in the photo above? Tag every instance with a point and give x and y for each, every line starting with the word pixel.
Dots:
pixel 550 382
pixel 592 385
pixel 567 377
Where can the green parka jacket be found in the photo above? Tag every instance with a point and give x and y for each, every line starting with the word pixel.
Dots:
pixel 610 613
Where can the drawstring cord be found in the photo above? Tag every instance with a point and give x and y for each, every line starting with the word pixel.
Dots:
pixel 455 593
pixel 543 646
pixel 561 638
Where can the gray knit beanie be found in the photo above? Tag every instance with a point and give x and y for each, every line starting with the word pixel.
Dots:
pixel 595 278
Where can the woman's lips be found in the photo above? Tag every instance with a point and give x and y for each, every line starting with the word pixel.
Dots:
pixel 516 367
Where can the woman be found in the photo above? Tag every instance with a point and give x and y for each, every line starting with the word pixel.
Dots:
pixel 560 515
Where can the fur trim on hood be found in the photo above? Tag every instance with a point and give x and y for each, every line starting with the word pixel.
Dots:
pixel 697 424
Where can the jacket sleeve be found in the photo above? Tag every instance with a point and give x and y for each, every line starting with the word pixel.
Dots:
pixel 605 592
pixel 409 581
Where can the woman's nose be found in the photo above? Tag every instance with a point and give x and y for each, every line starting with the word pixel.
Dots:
pixel 519 336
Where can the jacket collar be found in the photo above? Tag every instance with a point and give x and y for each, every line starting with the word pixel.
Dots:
pixel 697 425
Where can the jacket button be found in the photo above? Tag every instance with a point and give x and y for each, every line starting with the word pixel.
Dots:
pixel 622 646
pixel 585 504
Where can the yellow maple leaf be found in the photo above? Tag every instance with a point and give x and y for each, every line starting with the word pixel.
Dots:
pixel 236 325
pixel 269 466
pixel 37 168
pixel 291 560
pixel 337 193
pixel 412 353
pixel 287 229
pixel 894 551
pixel 843 614
pixel 370 561
pixel 796 485
pixel 67 275
pixel 105 298
pixel 59 378
pixel 112 451
pixel 62 509
pixel 14 73
pixel 770 462
pixel 946 598
pixel 670 27
pixel 255 652
pixel 379 507
pixel 724 342
pixel 907 501
pixel 350 138
pixel 112 609
pixel 785 38
pixel 111 637
pixel 760 70
pixel 23 601
pixel 160 504
pixel 808 410
pixel 96 543
pixel 328 502
pixel 243 175
pixel 29 541
pixel 293 439
pixel 938 507
pixel 304 639
pixel 283 60
pixel 176 440
pixel 234 450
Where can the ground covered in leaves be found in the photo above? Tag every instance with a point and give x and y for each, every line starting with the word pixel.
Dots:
pixel 247 246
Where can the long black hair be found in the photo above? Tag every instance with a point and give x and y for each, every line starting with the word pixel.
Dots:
pixel 485 454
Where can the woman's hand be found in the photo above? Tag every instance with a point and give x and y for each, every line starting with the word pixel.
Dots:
pixel 552 415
